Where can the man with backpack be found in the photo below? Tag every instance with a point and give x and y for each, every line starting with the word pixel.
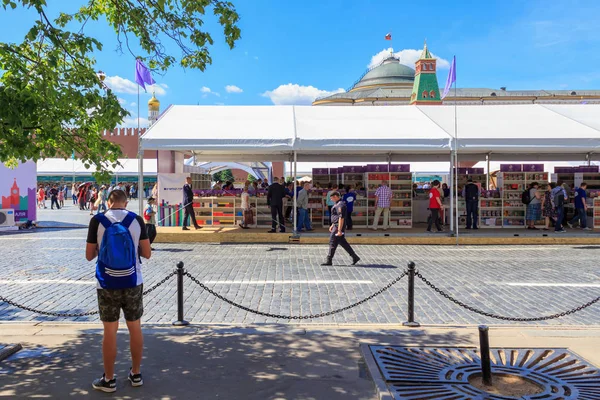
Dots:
pixel 471 195
pixel 119 239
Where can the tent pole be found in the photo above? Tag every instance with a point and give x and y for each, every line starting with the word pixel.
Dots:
pixel 451 190
pixel 140 175
pixel 295 211
pixel 140 159
pixel 456 158
pixel 487 176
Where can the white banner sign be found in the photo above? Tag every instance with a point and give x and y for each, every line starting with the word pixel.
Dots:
pixel 170 188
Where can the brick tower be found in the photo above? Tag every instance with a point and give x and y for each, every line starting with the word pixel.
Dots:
pixel 425 88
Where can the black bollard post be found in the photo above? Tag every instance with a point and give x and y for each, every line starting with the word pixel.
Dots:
pixel 411 297
pixel 484 344
pixel 180 271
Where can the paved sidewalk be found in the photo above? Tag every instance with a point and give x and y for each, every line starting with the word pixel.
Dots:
pixel 229 362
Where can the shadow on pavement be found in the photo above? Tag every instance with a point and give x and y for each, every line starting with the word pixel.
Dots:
pixel 173 250
pixel 361 265
pixel 206 365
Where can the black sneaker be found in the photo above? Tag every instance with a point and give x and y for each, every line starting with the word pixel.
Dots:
pixel 135 379
pixel 104 385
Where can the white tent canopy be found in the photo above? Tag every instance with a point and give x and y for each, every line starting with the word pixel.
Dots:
pixel 399 133
pixel 59 166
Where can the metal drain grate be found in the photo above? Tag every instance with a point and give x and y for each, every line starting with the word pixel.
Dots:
pixel 443 373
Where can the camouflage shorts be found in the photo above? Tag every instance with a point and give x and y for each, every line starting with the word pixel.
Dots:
pixel 111 301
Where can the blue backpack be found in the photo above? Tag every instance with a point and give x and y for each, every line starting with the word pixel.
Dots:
pixel 116 266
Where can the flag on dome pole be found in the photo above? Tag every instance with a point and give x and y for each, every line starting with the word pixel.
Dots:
pixel 388 36
pixel 451 77
pixel 143 76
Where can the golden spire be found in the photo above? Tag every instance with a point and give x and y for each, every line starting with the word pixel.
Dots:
pixel 153 103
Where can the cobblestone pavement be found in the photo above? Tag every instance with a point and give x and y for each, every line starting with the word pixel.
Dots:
pixel 47 270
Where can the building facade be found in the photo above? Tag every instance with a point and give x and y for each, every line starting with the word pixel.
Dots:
pixel 392 83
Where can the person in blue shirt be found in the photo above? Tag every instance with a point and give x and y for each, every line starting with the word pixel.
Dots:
pixel 289 195
pixel 580 208
pixel 349 198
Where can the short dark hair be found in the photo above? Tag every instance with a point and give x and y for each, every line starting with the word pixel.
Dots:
pixel 552 185
pixel 329 185
pixel 435 183
pixel 117 196
pixel 348 188
pixel 470 180
pixel 583 184
pixel 336 194
pixel 533 184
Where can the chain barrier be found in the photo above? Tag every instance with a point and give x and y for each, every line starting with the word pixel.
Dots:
pixel 295 317
pixel 501 317
pixel 72 315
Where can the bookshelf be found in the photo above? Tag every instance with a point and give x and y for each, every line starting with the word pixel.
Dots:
pixel 596 213
pixel 359 214
pixel 262 212
pixel 315 207
pixel 512 184
pixel 223 211
pixel 401 205
pixel 376 174
pixel 323 176
pixel 203 207
pixel 490 209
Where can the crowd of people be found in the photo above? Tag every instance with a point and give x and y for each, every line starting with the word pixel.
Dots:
pixel 543 202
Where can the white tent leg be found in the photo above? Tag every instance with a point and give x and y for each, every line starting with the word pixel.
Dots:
pixel 451 186
pixel 487 176
pixel 295 211
pixel 140 180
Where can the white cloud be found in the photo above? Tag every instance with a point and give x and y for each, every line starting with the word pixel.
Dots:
pixel 133 104
pixel 122 85
pixel 132 122
pixel 207 91
pixel 121 101
pixel 158 89
pixel 407 57
pixel 256 57
pixel 294 94
pixel 233 89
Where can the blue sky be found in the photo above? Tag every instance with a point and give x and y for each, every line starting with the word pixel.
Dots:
pixel 291 52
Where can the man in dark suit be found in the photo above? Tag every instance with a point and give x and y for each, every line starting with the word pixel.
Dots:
pixel 275 196
pixel 188 199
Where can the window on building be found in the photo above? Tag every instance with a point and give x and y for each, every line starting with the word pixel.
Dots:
pixel 424 94
pixel 424 67
pixel 432 93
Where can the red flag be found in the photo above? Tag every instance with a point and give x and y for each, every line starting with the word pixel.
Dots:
pixel 388 36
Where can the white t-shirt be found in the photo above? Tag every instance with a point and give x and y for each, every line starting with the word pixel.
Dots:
pixel 245 201
pixel 137 230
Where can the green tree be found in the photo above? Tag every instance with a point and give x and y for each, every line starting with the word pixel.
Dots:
pixel 224 176
pixel 52 98
pixel 251 178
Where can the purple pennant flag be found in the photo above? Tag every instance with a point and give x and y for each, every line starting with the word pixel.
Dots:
pixel 142 74
pixel 451 77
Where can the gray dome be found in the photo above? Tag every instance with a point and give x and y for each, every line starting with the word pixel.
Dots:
pixel 389 72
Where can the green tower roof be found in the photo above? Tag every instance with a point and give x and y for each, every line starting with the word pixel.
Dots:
pixel 426 54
